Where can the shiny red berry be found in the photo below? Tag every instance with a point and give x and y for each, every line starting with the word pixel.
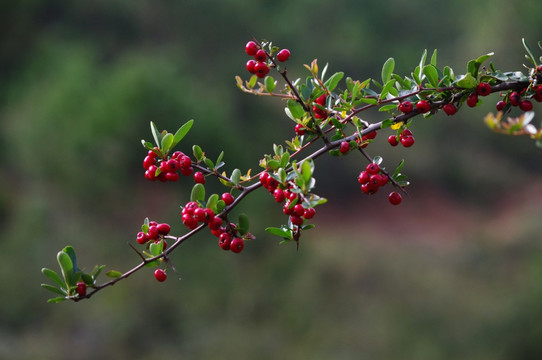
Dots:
pixel 152 233
pixel 81 288
pixel 309 213
pixel 500 105
pixel 199 177
pixel 279 196
pixel 283 55
pixel 449 109
pixel 395 198
pixel 261 69
pixel 148 161
pixel 405 107
pixel 237 245
pixel 483 89
pixel 251 48
pixel 160 275
pixel 299 210
pixel 227 198
pixel 423 106
pixel 299 129
pixel 372 168
pixel 260 55
pixel 141 238
pixel 296 220
pixel 224 241
pixel 250 66
pixel 526 105
pixel 163 228
pixel 363 177
pixel 392 140
pixel 515 98
pixel 407 141
pixel 472 100
pixel 344 147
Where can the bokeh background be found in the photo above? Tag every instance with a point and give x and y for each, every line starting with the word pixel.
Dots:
pixel 455 272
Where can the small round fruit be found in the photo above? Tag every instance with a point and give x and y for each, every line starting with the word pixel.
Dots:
pixel 407 141
pixel 299 210
pixel 260 55
pixel 163 228
pixel 423 106
pixel 363 177
pixel 483 89
pixel 309 213
pixel 299 129
pixel 224 241
pixel 405 107
pixel 296 220
pixel 500 105
pixel 81 288
pixel 141 238
pixel 251 48
pixel 472 100
pixel 283 55
pixel 372 168
pixel 227 198
pixel 237 245
pixel 392 139
pixel 199 177
pixel 279 196
pixel 148 161
pixel 344 147
pixel 261 69
pixel 250 66
pixel 200 214
pixel 160 275
pixel 215 223
pixel 449 109
pixel 515 98
pixel 395 198
pixel 526 105
pixel 152 233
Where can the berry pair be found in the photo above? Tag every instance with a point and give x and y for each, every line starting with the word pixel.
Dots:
pixel 422 107
pixel 319 108
pixel 166 169
pixel 405 138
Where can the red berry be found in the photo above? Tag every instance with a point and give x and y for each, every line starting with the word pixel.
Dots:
pixel 160 275
pixel 526 105
pixel 363 177
pixel 299 210
pixel 407 141
pixel 200 214
pixel 152 154
pixel 153 223
pixel 395 198
pixel 283 55
pixel 500 105
pixel 227 198
pixel 372 168
pixel 296 220
pixel 370 135
pixel 279 195
pixel 405 107
pixel 449 109
pixel 515 99
pixel 189 222
pixel 250 66
pixel 148 161
pixel 483 89
pixel 199 177
pixel 81 288
pixel 345 146
pixel 141 238
pixel 251 48
pixel 405 132
pixel 172 176
pixel 187 171
pixel 163 228
pixel 309 213
pixel 321 100
pixel 215 223
pixel 237 245
pixel 286 209
pixel 299 129
pixel 172 165
pixel 423 106
pixel 472 100
pixel 392 139
pixel 224 241
pixel 261 69
pixel 260 55
pixel 152 233
pixel 369 188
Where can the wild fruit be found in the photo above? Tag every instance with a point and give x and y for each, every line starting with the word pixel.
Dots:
pixel 526 105
pixel 251 48
pixel 472 100
pixel 483 89
pixel 283 55
pixel 237 245
pixel 395 198
pixel 392 140
pixel 160 275
pixel 81 289
pixel 405 107
pixel 423 106
pixel 449 109
pixel 500 105
pixel 344 147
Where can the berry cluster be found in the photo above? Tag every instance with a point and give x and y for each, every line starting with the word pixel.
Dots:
pixel 228 238
pixel 166 169
pixel 259 65
pixel 422 107
pixel 293 201
pixel 405 138
pixel 372 178
pixel 155 232
pixel 515 99
pixel 319 107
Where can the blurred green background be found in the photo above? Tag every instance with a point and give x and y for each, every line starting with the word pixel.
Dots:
pixel 455 272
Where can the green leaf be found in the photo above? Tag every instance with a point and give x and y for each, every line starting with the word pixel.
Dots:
pixel 386 89
pixel 54 289
pixel 220 205
pixel 113 274
pixel 198 153
pixel 420 67
pixel 287 234
pixel 155 134
pixel 87 279
pixel 432 75
pixel 307 168
pixel 209 163
pixel 474 65
pixel 295 109
pixel 166 143
pixel 398 169
pixel 333 81
pixel 387 123
pixel 51 274
pixel 181 133
pixel 66 266
pixel 529 51
pixel 387 70
pixel 243 224
pixel 467 81
pixel 56 300
pixel 198 193
pixel 97 270
pixel 269 84
pixel 284 159
pixel 156 248
pixel 273 164
pixel 211 202
pixel 388 107
pixel 235 176
pixel 252 81
pixel 219 159
pixel 434 58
